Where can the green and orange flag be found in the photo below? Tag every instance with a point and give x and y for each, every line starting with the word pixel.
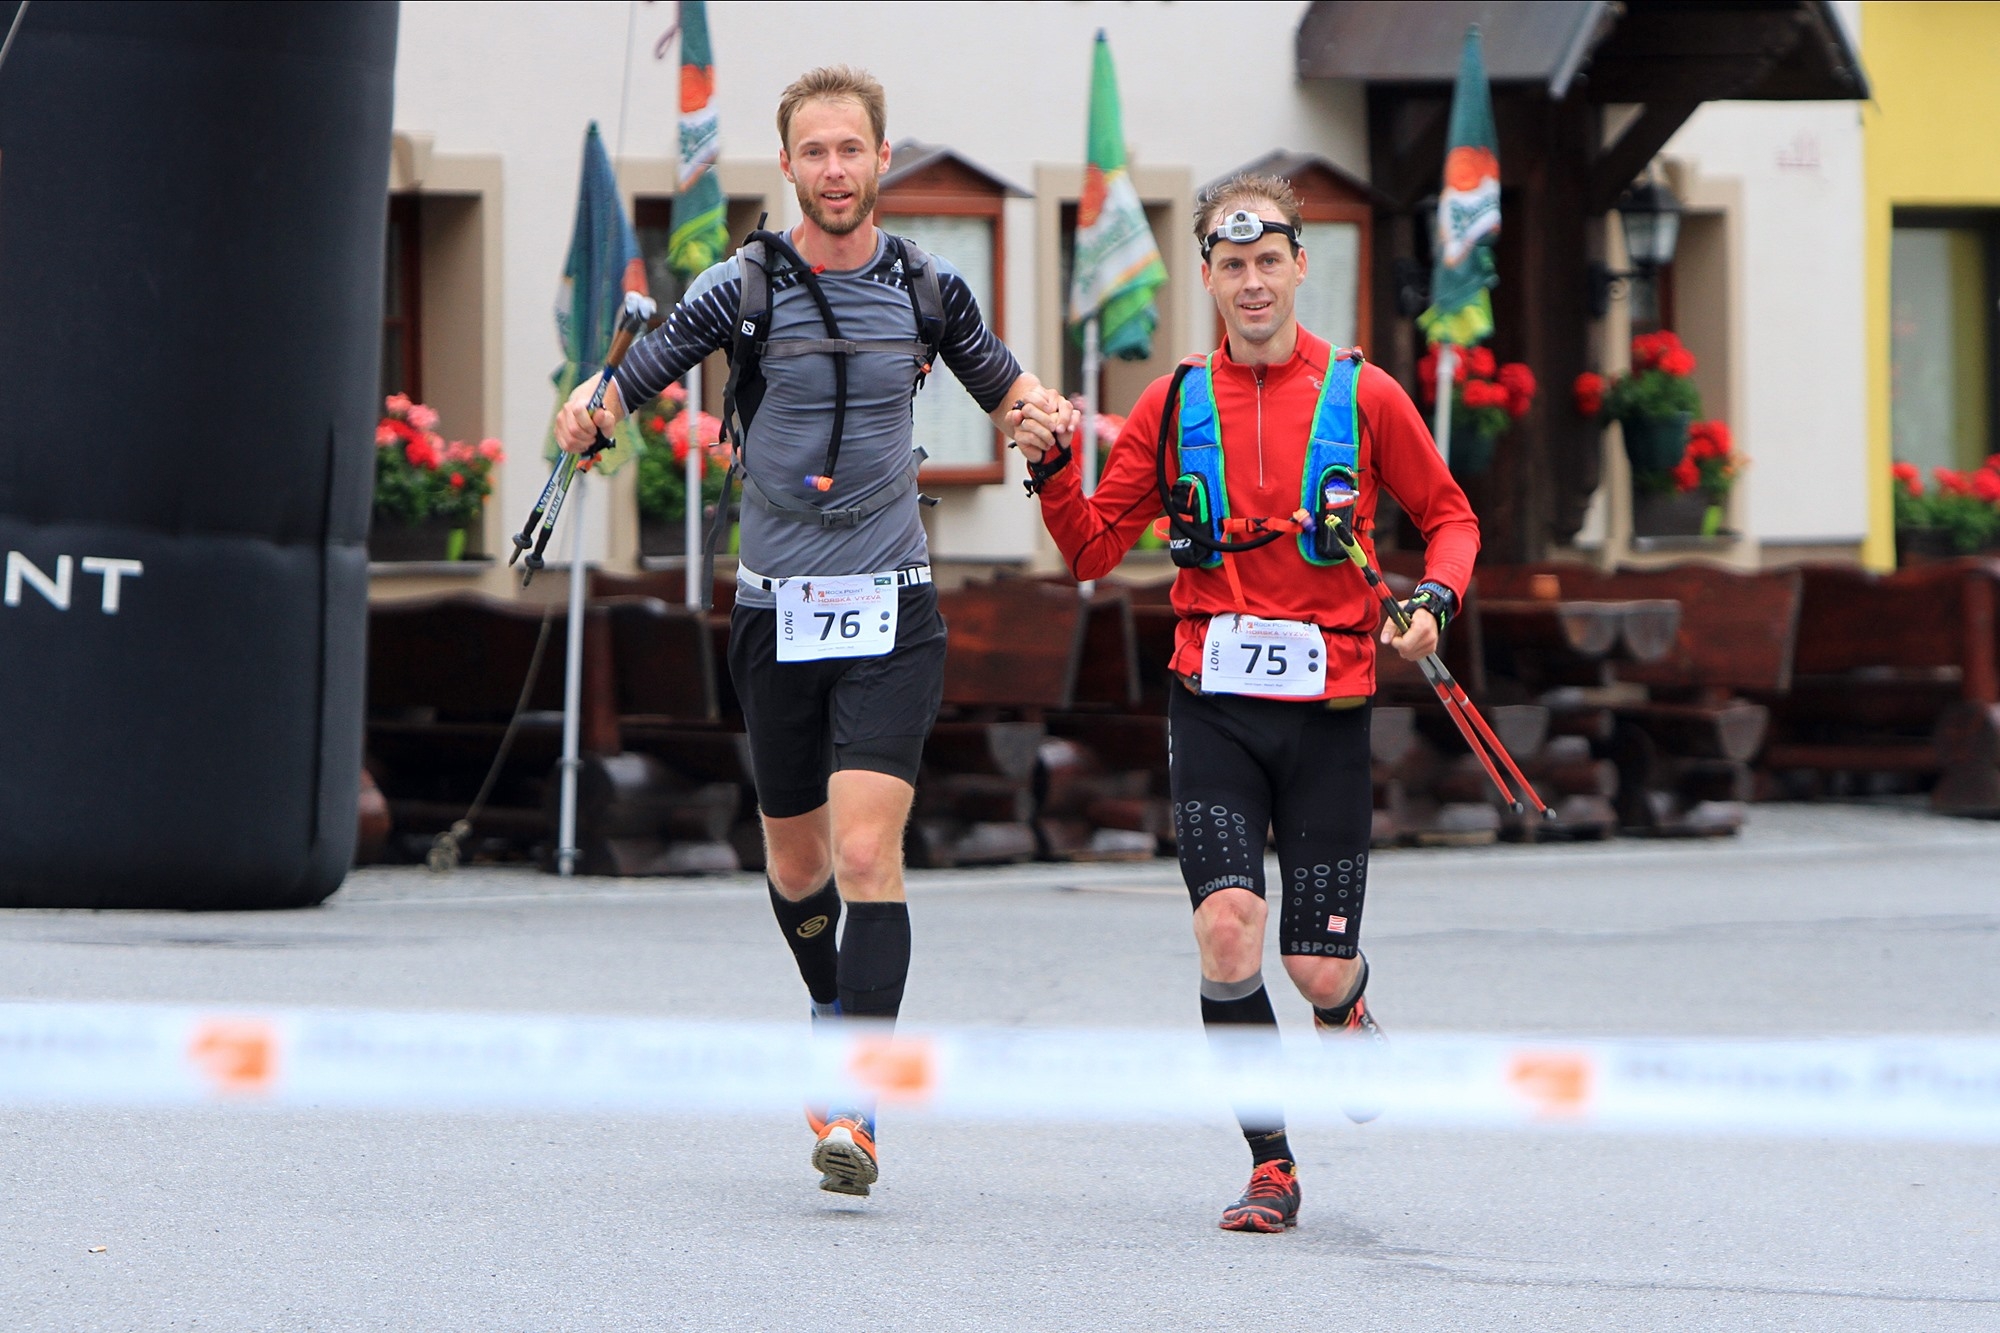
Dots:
pixel 700 235
pixel 1468 216
pixel 1118 266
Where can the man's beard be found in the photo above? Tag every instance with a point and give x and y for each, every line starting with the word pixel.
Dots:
pixel 864 201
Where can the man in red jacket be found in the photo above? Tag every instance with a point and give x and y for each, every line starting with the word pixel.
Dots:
pixel 1268 436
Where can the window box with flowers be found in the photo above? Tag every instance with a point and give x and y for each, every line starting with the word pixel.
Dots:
pixel 1959 515
pixel 1691 499
pixel 1489 398
pixel 663 450
pixel 1655 402
pixel 429 494
pixel 1682 470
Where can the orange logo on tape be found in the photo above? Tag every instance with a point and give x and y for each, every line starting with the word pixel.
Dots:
pixel 239 1055
pixel 1558 1083
pixel 898 1069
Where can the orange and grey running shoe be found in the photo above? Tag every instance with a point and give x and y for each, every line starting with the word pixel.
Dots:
pixel 845 1153
pixel 1270 1204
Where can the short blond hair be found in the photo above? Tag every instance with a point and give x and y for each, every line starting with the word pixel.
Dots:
pixel 834 82
pixel 1242 188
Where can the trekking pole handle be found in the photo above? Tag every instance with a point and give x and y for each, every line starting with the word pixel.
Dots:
pixel 638 309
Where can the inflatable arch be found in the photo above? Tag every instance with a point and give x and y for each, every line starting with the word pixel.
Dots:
pixel 191 221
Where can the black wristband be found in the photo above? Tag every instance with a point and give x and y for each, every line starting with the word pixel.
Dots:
pixel 1052 462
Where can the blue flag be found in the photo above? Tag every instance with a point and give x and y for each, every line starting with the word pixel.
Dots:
pixel 604 264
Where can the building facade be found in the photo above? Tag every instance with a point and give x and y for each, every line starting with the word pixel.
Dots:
pixel 1932 236
pixel 989 101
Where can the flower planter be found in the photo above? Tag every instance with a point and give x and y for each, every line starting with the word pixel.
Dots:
pixel 391 539
pixel 1916 546
pixel 668 536
pixel 1472 453
pixel 1675 514
pixel 1656 444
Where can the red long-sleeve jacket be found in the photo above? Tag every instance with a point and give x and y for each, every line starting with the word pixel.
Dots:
pixel 1266 417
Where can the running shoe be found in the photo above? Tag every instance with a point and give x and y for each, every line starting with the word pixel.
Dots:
pixel 1270 1204
pixel 1360 1023
pixel 845 1153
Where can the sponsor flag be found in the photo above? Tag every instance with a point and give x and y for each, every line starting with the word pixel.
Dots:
pixel 1118 267
pixel 1468 216
pixel 700 234
pixel 604 264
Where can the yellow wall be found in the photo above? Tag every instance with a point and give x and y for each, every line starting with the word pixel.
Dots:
pixel 1935 70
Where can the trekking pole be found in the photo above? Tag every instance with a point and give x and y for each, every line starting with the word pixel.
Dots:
pixel 548 507
pixel 1450 693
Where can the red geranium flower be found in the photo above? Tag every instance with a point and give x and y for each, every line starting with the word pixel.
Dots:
pixel 1677 361
pixel 1484 393
pixel 1519 381
pixel 421 453
pixel 1687 473
pixel 458 481
pixel 1986 485
pixel 1952 483
pixel 1427 370
pixel 657 424
pixel 1907 475
pixel 1588 390
pixel 1480 361
pixel 677 432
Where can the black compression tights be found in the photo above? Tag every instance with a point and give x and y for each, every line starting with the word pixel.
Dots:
pixel 1240 766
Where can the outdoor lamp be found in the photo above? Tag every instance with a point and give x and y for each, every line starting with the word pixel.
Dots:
pixel 1651 216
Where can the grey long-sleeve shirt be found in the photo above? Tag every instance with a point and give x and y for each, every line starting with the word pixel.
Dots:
pixel 788 437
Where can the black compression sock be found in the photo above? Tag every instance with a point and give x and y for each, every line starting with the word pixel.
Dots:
pixel 874 959
pixel 810 927
pixel 1246 1004
pixel 1336 1015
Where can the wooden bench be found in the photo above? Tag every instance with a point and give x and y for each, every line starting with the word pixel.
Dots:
pixel 444 675
pixel 1896 677
pixel 1683 723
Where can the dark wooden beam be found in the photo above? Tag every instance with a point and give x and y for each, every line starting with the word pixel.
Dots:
pixel 1415 144
pixel 1622 161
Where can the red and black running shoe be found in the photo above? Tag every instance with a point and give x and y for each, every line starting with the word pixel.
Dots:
pixel 1270 1204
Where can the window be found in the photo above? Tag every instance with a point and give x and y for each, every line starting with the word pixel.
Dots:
pixel 653 221
pixel 402 295
pixel 956 210
pixel 1942 314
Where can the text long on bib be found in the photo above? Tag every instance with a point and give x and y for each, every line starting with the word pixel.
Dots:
pixel 846 615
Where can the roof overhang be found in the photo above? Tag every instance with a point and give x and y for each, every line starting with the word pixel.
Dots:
pixel 1286 163
pixel 912 157
pixel 1685 51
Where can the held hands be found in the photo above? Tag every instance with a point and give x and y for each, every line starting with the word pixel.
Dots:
pixel 575 429
pixel 1039 421
pixel 1420 641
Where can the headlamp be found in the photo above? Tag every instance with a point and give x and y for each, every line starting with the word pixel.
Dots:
pixel 1242 227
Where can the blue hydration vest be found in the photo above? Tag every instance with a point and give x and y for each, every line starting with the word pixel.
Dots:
pixel 1333 453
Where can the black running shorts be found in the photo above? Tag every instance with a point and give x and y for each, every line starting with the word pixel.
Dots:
pixel 1240 766
pixel 809 719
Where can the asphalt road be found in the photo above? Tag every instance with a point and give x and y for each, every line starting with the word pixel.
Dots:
pixel 1820 920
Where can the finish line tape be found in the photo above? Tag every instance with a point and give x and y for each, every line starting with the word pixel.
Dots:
pixel 63 1054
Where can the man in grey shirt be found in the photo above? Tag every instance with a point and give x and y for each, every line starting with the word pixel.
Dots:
pixel 836 646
